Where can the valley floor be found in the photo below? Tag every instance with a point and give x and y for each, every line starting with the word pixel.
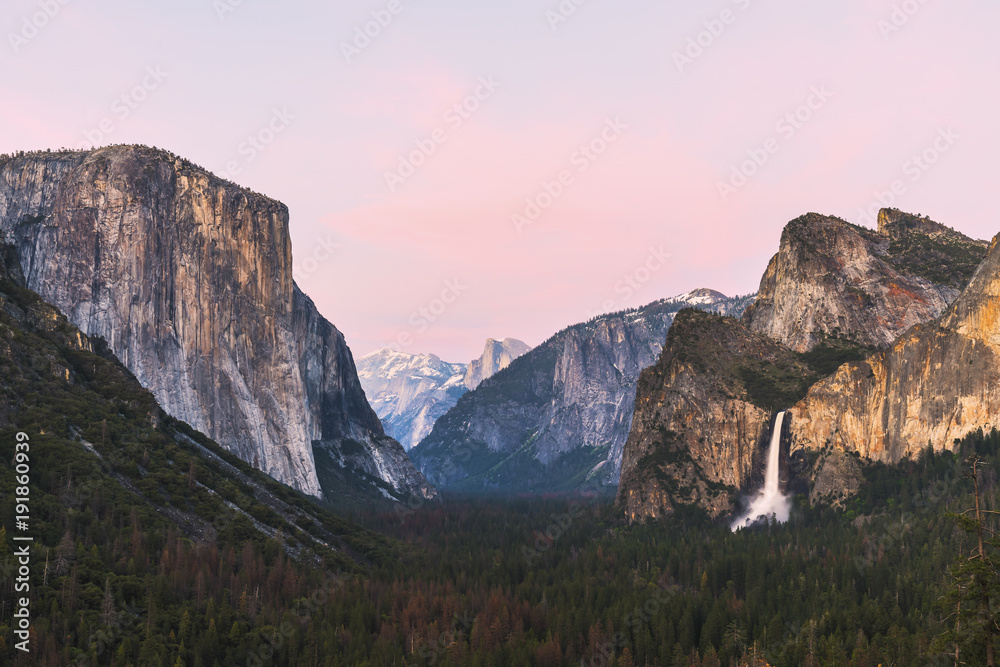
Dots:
pixel 563 581
pixel 527 581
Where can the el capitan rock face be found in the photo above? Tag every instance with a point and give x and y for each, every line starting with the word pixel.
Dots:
pixel 832 278
pixel 188 279
pixel 938 382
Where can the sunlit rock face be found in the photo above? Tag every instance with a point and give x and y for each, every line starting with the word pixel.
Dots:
pixel 832 278
pixel 696 429
pixel 188 279
pixel 935 384
pixel 699 421
pixel 496 356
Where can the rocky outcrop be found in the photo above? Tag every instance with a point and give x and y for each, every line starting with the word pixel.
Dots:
pixel 700 429
pixel 834 279
pixel 558 417
pixel 937 383
pixel 409 392
pixel 496 356
pixel 834 293
pixel 188 279
pixel 836 476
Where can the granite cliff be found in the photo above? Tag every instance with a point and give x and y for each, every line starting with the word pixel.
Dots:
pixel 699 422
pixel 832 278
pixel 100 440
pixel 496 356
pixel 834 294
pixel 188 279
pixel 938 382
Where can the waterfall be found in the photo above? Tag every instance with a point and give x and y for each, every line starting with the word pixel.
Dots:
pixel 770 502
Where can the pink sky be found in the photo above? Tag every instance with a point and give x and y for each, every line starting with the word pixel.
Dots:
pixel 652 192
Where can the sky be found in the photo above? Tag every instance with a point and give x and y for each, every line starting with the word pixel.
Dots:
pixel 456 170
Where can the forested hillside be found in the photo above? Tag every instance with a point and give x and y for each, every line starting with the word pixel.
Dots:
pixel 151 544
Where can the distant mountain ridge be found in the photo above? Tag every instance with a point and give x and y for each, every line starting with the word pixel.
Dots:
pixel 559 415
pixel 410 392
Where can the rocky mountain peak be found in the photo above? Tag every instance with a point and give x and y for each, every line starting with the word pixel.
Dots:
pixel 702 414
pixel 832 279
pixel 896 224
pixel 846 330
pixel 496 356
pixel 701 296
pixel 410 391
pixel 558 417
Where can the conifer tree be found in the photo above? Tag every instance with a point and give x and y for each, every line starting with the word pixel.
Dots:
pixel 970 602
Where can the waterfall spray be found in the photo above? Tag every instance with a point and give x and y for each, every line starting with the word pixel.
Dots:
pixel 770 502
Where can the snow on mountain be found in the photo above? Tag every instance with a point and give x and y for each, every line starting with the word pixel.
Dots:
pixel 700 297
pixel 410 391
